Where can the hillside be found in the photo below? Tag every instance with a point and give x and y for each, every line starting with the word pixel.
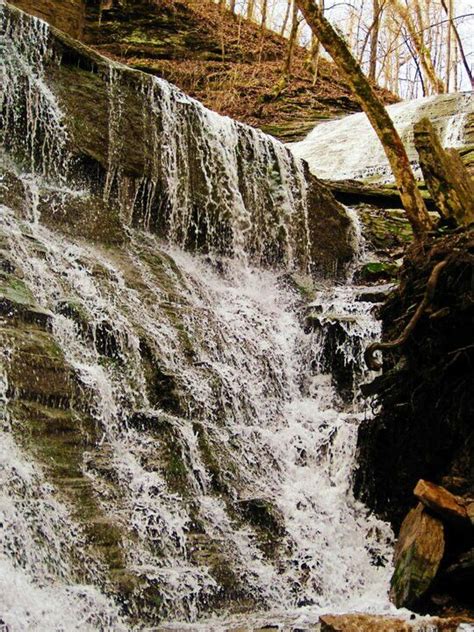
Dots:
pixel 220 59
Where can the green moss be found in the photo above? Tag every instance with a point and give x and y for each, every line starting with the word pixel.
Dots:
pixel 14 289
pixel 379 270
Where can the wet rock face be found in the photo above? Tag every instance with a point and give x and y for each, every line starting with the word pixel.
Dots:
pixel 203 181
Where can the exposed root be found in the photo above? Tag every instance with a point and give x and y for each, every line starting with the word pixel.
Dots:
pixel 369 358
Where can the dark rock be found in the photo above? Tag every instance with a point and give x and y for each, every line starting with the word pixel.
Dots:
pixel 262 513
pixel 424 429
pixel 462 570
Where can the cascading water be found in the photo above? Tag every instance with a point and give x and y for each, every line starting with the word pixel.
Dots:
pixel 349 149
pixel 284 433
pixel 199 170
pixel 190 453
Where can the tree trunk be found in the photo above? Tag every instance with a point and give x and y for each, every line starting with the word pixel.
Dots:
pixel 286 18
pixel 250 9
pixel 374 41
pixel 315 51
pixel 422 51
pixel 448 46
pixel 263 23
pixel 381 122
pixel 291 41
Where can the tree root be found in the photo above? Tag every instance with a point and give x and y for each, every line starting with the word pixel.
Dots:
pixel 371 362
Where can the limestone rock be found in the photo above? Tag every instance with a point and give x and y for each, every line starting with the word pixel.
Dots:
pixel 67 15
pixel 440 501
pixel 418 554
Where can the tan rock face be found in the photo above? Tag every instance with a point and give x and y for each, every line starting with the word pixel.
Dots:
pixel 363 623
pixel 440 501
pixel 418 554
pixel 377 623
pixel 67 15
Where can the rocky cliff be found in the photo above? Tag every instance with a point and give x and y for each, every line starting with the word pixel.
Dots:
pixel 118 131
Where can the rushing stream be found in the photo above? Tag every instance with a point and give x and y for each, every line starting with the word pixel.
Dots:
pixel 178 431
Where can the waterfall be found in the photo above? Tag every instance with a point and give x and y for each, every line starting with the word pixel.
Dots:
pixel 179 428
pixel 205 181
pixel 349 149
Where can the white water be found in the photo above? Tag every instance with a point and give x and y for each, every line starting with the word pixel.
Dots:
pixel 349 149
pixel 283 425
pixel 260 389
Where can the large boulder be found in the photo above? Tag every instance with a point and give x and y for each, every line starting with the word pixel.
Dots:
pixel 418 554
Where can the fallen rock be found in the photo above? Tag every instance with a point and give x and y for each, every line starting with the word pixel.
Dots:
pixel 363 623
pixel 440 501
pixel 418 554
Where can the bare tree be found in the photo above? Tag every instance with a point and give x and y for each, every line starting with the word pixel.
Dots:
pixel 459 43
pixel 291 41
pixel 374 40
pixel 381 122
pixel 416 34
pixel 315 51
pixel 286 18
pixel 250 9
